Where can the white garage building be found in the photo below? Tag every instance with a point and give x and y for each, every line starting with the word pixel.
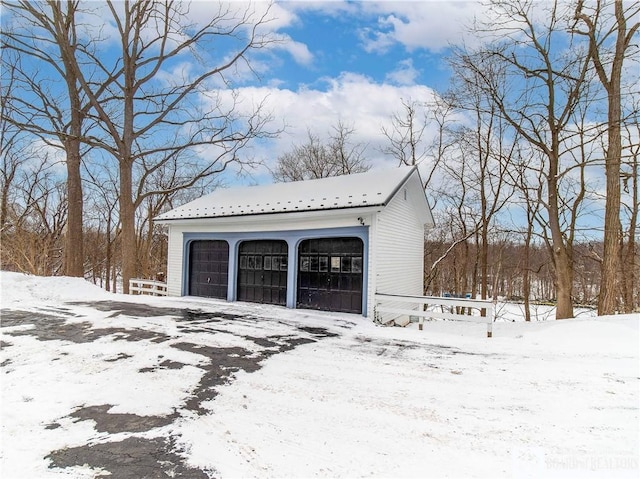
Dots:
pixel 327 244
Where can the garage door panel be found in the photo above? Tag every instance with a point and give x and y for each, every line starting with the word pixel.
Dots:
pixel 262 271
pixel 208 268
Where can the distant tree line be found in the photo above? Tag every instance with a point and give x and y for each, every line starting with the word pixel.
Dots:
pixel 530 164
pixel 510 279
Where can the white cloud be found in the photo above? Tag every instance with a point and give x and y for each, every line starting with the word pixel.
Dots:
pixel 272 16
pixel 375 41
pixel 299 51
pixel 46 155
pixel 180 74
pixel 353 99
pixel 404 74
pixel 432 25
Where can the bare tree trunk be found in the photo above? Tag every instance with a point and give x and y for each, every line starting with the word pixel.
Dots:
pixel 628 261
pixel 147 264
pixel 66 36
pixel 55 23
pixel 128 234
pixel 561 252
pixel 73 251
pixel 564 280
pixel 608 299
pixel 484 259
pixel 107 265
pixel 526 273
pixel 597 33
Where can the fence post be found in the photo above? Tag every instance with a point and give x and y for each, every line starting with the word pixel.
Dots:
pixel 492 318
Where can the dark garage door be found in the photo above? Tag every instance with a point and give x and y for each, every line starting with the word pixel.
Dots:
pixel 262 272
pixel 330 274
pixel 209 269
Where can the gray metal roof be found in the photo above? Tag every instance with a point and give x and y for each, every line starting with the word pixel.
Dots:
pixel 372 188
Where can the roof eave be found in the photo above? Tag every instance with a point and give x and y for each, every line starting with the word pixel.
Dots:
pixel 346 209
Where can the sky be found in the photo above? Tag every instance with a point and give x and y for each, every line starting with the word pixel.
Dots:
pixel 353 62
pixel 394 43
pixel 334 61
pixel 348 62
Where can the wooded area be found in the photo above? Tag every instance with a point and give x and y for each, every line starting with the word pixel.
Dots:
pixel 540 107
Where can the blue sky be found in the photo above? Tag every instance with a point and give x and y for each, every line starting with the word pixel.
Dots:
pixel 345 43
pixel 353 62
pixel 379 40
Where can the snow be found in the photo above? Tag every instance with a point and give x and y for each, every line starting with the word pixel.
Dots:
pixel 543 399
pixel 372 188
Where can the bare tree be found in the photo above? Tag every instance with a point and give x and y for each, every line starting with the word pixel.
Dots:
pixel 151 120
pixel 405 135
pixel 406 141
pixel 33 212
pixel 457 214
pixel 531 207
pixel 629 261
pixel 545 81
pixel 488 146
pixel 12 144
pixel 441 157
pixel 102 220
pixel 315 159
pixel 608 65
pixel 348 158
pixel 34 226
pixel 45 34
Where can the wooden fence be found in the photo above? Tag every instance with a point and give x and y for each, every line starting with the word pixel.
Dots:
pixel 457 309
pixel 147 286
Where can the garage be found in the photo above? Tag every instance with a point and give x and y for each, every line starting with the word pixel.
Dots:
pixel 328 244
pixel 330 274
pixel 262 271
pixel 208 269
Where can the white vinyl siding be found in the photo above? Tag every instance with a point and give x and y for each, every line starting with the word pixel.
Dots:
pixel 399 247
pixel 373 261
pixel 174 262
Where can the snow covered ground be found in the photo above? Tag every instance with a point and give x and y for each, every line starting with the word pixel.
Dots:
pixel 203 388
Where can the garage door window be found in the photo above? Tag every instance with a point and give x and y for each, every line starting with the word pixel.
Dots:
pixel 330 274
pixel 262 271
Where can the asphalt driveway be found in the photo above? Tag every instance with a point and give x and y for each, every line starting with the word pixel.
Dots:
pixel 142 446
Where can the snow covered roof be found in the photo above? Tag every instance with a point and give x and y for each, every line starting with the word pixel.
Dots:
pixel 373 188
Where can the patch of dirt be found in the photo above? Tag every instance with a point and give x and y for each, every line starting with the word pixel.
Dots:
pixel 131 458
pixel 118 358
pixel 141 310
pixel 118 422
pixel 47 327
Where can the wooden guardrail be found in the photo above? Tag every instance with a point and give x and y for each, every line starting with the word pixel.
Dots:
pixel 147 286
pixel 457 309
